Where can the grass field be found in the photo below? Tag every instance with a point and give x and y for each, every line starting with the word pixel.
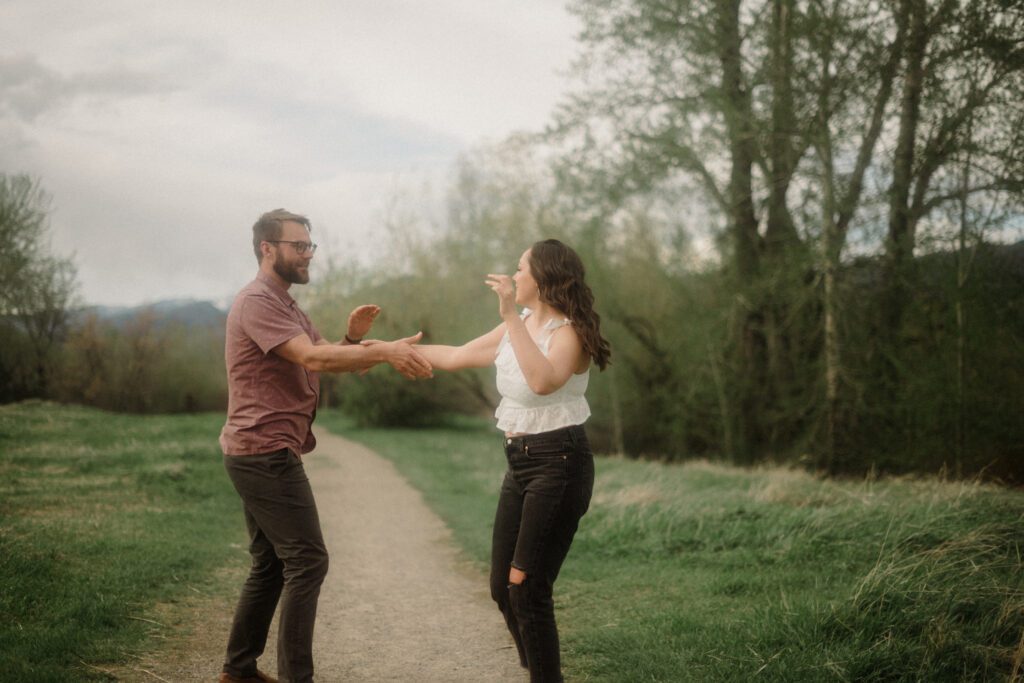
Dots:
pixel 103 518
pixel 690 572
pixel 701 572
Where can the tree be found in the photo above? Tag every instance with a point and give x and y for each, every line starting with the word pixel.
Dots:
pixel 962 71
pixel 795 122
pixel 37 289
pixel 852 114
pixel 22 228
pixel 46 300
pixel 715 92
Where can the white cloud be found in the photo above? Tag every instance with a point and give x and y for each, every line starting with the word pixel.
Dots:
pixel 28 88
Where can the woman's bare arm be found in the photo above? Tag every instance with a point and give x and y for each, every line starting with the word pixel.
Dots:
pixel 478 353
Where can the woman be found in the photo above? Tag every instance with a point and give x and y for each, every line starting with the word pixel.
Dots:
pixel 543 361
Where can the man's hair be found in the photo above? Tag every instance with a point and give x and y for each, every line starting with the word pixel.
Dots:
pixel 270 225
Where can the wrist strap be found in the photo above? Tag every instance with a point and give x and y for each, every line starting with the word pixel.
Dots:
pixel 352 341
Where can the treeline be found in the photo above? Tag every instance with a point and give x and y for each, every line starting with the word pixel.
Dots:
pixel 670 314
pixel 145 364
pixel 818 135
pixel 798 216
pixel 51 347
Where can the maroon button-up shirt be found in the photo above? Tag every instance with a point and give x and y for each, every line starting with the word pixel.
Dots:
pixel 271 401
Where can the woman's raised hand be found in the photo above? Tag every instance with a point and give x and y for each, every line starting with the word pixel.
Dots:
pixel 506 291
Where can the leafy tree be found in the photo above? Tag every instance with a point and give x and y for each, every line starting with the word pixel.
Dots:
pixel 717 93
pixel 37 289
pixel 962 75
pixel 794 123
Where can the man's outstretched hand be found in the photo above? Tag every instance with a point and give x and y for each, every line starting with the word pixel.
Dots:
pixel 402 355
pixel 360 320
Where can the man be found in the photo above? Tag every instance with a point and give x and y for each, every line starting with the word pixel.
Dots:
pixel 273 355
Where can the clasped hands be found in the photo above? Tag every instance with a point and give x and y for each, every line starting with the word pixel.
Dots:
pixel 399 354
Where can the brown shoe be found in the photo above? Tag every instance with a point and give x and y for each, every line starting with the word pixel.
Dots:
pixel 260 677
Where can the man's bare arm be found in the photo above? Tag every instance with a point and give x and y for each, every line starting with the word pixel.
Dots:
pixel 328 357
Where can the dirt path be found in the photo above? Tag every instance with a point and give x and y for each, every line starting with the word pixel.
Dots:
pixel 398 604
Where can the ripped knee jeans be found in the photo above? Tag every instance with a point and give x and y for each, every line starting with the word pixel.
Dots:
pixel 546 491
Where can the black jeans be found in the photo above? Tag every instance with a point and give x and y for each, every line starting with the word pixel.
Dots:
pixel 289 561
pixel 546 491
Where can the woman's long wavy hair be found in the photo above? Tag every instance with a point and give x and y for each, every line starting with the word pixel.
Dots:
pixel 559 273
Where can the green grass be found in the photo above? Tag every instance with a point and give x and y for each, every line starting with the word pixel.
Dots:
pixel 679 573
pixel 102 516
pixel 700 572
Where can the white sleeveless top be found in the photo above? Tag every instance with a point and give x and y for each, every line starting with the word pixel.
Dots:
pixel 521 411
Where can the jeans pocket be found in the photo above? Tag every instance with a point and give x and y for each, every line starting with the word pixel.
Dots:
pixel 546 450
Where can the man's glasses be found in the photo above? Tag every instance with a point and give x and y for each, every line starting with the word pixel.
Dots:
pixel 300 247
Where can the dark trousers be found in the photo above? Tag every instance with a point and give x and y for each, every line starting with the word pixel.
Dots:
pixel 546 491
pixel 289 561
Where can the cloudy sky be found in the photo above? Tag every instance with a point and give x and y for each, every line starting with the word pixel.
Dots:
pixel 162 130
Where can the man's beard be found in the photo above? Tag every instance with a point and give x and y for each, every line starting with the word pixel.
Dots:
pixel 289 272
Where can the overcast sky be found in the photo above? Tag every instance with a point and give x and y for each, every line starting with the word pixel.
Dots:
pixel 162 130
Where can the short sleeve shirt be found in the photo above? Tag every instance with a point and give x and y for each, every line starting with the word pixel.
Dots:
pixel 271 401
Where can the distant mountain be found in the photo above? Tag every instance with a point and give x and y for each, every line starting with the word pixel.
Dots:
pixel 188 312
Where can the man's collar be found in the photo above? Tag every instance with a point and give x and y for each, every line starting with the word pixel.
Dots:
pixel 275 287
